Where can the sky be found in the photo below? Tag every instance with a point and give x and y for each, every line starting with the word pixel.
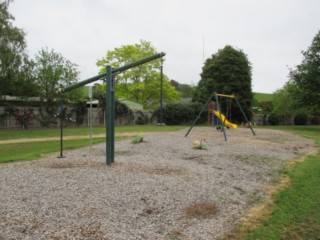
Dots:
pixel 272 33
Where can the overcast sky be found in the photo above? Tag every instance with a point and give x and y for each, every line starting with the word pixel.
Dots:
pixel 271 32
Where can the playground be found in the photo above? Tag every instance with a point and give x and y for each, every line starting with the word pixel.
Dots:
pixel 161 188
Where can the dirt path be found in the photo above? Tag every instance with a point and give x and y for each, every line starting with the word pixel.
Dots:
pixel 22 140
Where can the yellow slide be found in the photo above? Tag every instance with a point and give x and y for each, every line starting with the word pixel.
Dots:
pixel 224 120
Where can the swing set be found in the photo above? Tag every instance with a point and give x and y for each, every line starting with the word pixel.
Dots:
pixel 214 114
pixel 109 77
pixel 216 117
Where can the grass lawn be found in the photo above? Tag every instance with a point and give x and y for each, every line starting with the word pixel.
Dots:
pixel 263 97
pixel 55 132
pixel 33 150
pixel 296 212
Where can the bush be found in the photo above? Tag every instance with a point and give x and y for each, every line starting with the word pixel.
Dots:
pixel 273 119
pixel 80 109
pixel 122 110
pixel 301 119
pixel 141 119
pixel 315 120
pixel 178 113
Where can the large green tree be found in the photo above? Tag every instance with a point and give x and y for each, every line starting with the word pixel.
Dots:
pixel 287 100
pixel 227 72
pixel 53 73
pixel 186 90
pixel 15 67
pixel 307 76
pixel 142 83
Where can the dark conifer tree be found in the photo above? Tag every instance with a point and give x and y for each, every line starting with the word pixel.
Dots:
pixel 227 72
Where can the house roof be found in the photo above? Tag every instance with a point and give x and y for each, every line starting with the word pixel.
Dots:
pixel 131 104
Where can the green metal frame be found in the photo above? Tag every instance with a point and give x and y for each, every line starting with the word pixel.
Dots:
pixel 216 95
pixel 109 75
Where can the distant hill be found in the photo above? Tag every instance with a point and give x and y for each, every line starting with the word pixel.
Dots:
pixel 263 97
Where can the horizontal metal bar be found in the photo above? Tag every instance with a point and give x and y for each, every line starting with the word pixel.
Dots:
pixel 84 82
pixel 137 63
pixel 114 72
pixel 224 95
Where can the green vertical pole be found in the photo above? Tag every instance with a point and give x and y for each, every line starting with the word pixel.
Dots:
pixel 62 115
pixel 222 123
pixel 109 153
pixel 112 118
pixel 245 117
pixel 161 94
pixel 202 109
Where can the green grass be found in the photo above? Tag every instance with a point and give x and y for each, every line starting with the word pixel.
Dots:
pixel 263 97
pixel 55 132
pixel 34 150
pixel 312 132
pixel 296 214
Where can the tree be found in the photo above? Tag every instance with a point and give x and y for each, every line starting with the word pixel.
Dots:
pixel 287 100
pixel 142 83
pixel 186 90
pixel 307 76
pixel 15 67
pixel 53 73
pixel 228 72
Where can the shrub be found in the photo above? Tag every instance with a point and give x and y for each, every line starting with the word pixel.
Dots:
pixel 141 118
pixel 301 119
pixel 315 120
pixel 273 119
pixel 178 113
pixel 80 110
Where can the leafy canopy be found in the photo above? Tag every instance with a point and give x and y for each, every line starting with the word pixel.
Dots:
pixel 286 101
pixel 307 76
pixel 228 72
pixel 15 67
pixel 142 83
pixel 53 73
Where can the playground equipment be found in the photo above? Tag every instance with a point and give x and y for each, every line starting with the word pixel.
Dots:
pixel 109 76
pixel 219 115
pixel 213 112
pixel 200 144
pixel 224 119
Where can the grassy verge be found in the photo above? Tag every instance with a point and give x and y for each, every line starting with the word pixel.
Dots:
pixel 261 97
pixel 55 132
pixel 295 213
pixel 34 150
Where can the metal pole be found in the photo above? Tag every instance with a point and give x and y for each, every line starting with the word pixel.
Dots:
pixel 222 123
pixel 114 72
pixel 61 129
pixel 113 113
pixel 161 93
pixel 245 117
pixel 90 115
pixel 137 63
pixel 108 114
pixel 195 121
pixel 84 82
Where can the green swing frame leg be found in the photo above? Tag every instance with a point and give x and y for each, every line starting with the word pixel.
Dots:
pixel 219 109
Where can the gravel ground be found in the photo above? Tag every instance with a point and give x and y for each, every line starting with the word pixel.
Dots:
pixel 159 189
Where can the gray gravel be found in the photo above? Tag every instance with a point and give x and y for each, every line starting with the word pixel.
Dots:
pixel 145 194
